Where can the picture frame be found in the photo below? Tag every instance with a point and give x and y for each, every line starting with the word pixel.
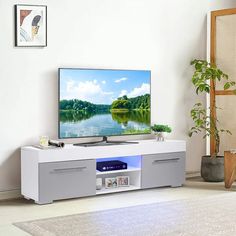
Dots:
pixel 111 182
pixel 98 183
pixel 123 181
pixel 30 25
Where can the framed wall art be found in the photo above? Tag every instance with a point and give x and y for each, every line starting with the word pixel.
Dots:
pixel 30 26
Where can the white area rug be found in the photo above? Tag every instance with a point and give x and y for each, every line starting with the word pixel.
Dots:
pixel 209 216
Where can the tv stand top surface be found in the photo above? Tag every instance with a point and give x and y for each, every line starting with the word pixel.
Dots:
pixel 71 152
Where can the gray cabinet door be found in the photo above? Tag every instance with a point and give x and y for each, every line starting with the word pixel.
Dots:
pixel 166 169
pixel 69 179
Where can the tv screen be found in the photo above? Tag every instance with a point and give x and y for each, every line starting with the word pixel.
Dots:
pixel 103 102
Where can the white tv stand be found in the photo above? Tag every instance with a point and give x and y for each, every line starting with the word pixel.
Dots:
pixel 70 172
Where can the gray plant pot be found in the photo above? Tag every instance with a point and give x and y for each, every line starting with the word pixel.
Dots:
pixel 212 169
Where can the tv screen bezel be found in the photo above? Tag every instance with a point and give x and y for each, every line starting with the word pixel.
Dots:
pixel 93 136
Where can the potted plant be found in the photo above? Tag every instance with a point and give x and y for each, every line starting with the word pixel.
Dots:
pixel 205 119
pixel 160 130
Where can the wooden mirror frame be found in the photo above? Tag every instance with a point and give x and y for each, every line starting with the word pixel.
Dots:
pixel 213 91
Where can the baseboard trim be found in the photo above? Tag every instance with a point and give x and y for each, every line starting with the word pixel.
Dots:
pixel 10 194
pixel 191 174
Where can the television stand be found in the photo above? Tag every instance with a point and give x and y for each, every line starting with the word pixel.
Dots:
pixel 104 142
pixel 70 172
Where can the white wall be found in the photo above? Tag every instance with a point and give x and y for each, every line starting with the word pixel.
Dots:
pixel 161 35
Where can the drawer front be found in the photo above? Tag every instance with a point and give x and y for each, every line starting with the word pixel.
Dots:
pixel 166 169
pixel 69 179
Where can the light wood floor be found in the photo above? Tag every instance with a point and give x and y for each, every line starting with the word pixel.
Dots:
pixel 22 210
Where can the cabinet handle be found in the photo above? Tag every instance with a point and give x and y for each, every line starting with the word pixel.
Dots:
pixel 165 160
pixel 69 170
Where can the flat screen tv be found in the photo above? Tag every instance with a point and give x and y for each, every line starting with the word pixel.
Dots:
pixel 103 102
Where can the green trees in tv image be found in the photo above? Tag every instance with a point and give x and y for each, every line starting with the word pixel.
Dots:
pixel 122 110
pixel 78 105
pixel 126 104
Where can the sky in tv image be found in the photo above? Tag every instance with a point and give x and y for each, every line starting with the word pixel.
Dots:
pixel 103 86
pixel 104 102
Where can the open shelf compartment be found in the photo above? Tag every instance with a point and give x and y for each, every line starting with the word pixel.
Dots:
pixel 133 171
pixel 133 164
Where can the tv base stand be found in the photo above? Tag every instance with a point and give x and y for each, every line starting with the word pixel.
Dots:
pixel 70 172
pixel 104 142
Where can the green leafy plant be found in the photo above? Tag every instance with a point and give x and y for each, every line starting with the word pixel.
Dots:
pixel 204 78
pixel 161 128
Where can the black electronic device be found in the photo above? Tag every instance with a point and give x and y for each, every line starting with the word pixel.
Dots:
pixel 111 165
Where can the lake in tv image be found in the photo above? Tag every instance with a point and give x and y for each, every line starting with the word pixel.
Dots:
pixel 103 102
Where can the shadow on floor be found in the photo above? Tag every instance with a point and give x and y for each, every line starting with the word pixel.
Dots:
pixel 199 183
